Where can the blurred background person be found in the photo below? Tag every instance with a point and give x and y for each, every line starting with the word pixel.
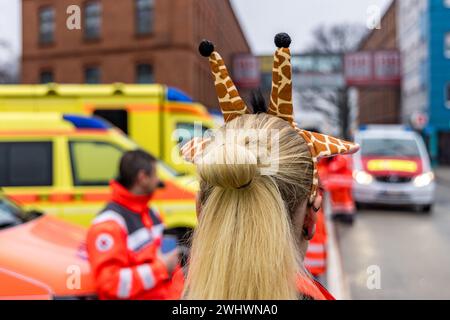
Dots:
pixel 337 177
pixel 125 240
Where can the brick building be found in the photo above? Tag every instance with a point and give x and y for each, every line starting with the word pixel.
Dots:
pixel 381 104
pixel 131 41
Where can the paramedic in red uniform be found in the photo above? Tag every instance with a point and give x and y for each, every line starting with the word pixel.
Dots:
pixel 339 184
pixel 124 241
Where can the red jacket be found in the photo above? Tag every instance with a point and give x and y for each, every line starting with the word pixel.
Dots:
pixel 122 245
pixel 339 173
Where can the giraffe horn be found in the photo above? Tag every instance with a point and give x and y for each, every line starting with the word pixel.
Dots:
pixel 322 146
pixel 273 106
pixel 194 149
pixel 327 146
pixel 230 102
pixel 281 95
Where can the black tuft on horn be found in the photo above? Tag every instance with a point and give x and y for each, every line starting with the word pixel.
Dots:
pixel 206 47
pixel 282 40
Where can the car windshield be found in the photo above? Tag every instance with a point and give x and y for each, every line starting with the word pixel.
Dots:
pixel 10 214
pixel 389 147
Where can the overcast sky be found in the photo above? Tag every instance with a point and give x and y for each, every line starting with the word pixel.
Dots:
pixel 260 19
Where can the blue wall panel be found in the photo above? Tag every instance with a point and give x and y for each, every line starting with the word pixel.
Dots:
pixel 439 75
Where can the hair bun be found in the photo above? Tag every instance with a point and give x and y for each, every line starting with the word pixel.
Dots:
pixel 205 48
pixel 282 40
pixel 229 166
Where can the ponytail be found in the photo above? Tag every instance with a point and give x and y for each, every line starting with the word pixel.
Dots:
pixel 244 245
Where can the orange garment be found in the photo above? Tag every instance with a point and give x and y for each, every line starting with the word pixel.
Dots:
pixel 316 255
pixel 122 245
pixel 339 184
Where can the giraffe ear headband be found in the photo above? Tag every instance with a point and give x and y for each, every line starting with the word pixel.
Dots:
pixel 232 106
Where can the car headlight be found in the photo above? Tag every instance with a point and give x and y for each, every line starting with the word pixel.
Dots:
pixel 424 179
pixel 362 177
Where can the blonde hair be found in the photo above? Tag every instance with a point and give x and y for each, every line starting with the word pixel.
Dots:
pixel 244 246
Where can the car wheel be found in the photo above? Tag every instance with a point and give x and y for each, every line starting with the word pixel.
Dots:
pixel 360 206
pixel 427 208
pixel 344 218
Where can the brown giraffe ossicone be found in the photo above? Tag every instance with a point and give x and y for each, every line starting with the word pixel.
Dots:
pixel 194 148
pixel 230 102
pixel 281 96
pixel 320 145
pixel 273 105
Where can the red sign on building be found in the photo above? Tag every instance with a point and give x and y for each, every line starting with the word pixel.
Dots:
pixel 378 68
pixel 246 73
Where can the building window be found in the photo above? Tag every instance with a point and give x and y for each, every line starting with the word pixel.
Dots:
pixel 447 45
pixel 46 76
pixel 26 164
pixel 144 16
pixel 46 25
pixel 92 20
pixel 92 75
pixel 144 73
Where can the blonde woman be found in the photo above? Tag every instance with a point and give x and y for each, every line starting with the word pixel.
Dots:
pixel 258 194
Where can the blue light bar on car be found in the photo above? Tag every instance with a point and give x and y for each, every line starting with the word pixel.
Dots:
pixel 83 122
pixel 381 127
pixel 174 94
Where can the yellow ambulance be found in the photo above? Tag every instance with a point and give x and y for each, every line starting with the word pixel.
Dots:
pixel 62 164
pixel 158 118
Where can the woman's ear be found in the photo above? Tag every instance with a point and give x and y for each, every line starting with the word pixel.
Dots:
pixel 317 203
pixel 309 225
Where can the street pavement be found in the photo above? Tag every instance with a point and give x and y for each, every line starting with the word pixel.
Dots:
pixel 411 250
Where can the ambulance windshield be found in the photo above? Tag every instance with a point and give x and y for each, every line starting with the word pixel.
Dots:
pixel 389 147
